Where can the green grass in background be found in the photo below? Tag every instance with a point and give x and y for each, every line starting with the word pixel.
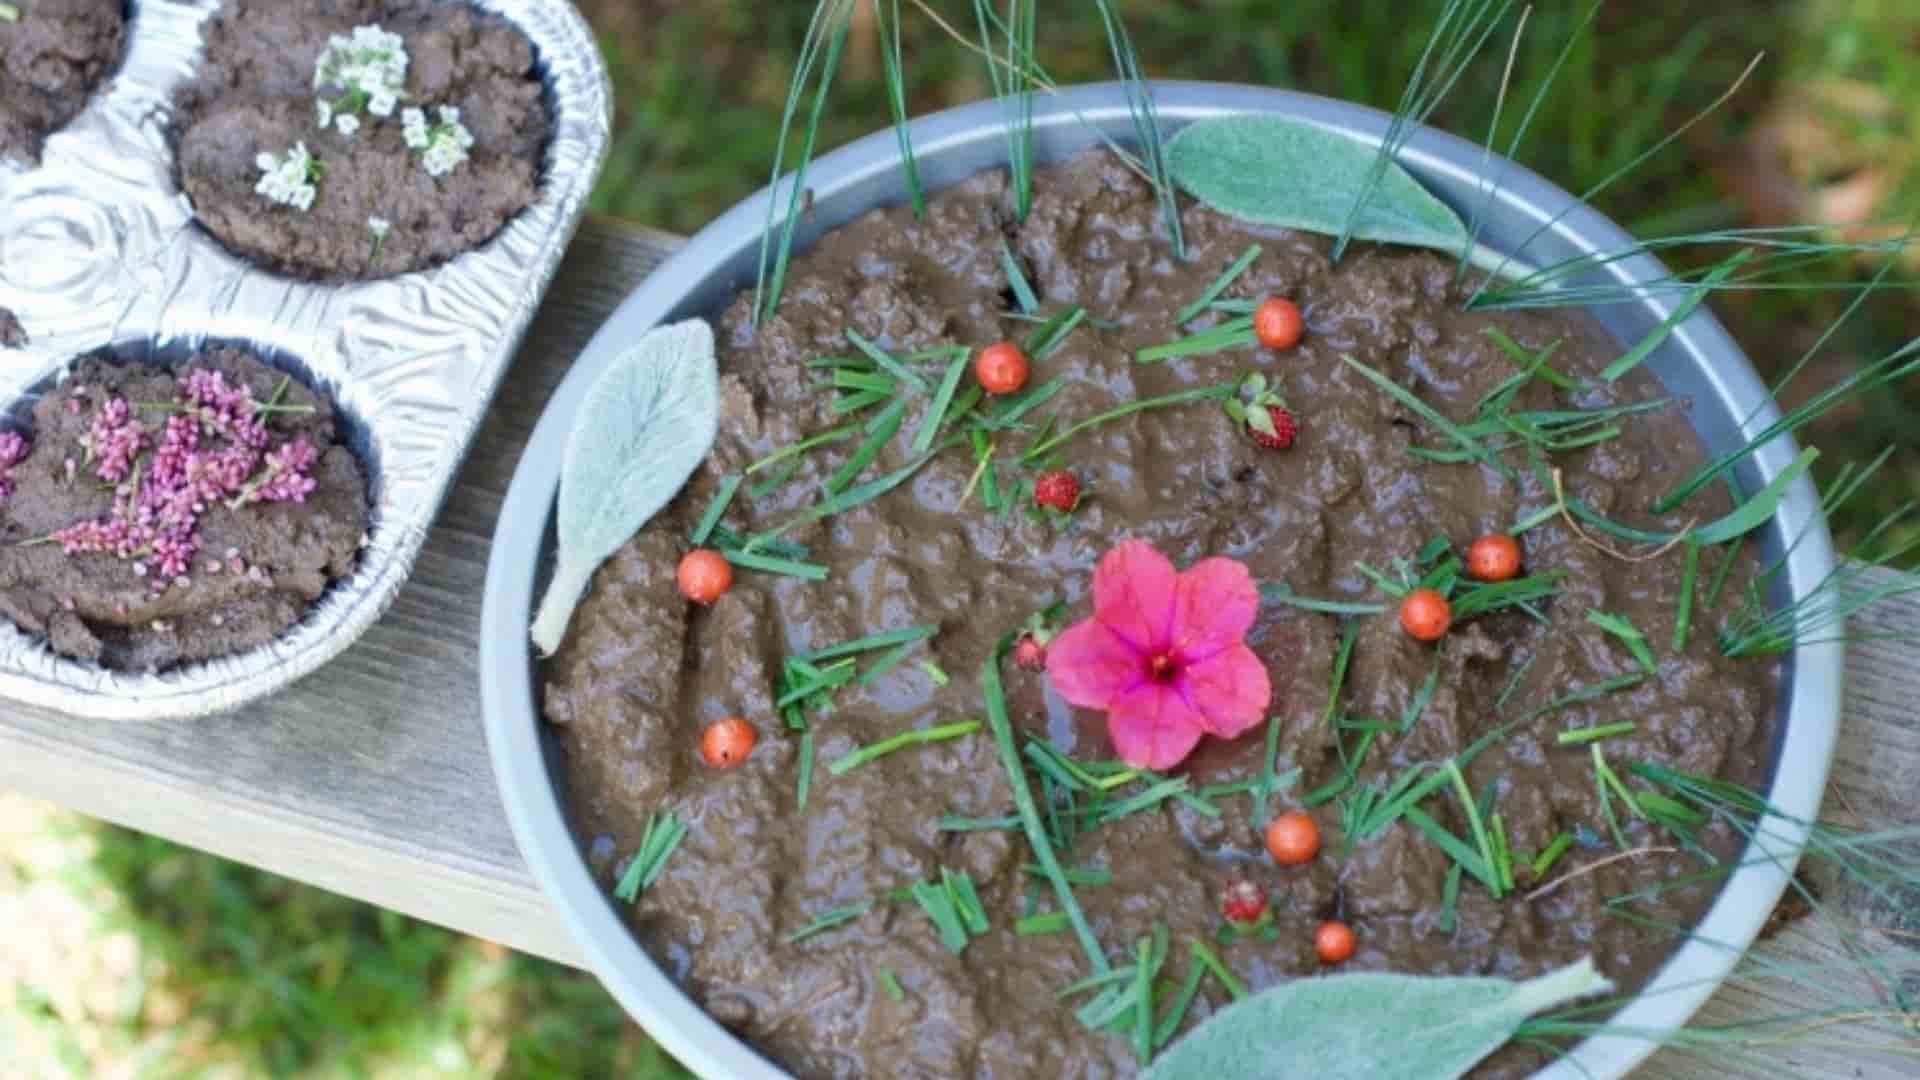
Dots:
pixel 125 955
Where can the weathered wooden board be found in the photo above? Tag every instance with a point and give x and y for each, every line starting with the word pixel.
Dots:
pixel 371 777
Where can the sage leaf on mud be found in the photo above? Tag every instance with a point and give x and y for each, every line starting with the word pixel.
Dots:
pixel 644 427
pixel 1275 170
pixel 1368 1026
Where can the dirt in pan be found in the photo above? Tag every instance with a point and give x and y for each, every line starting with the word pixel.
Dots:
pixel 154 517
pixel 643 671
pixel 382 196
pixel 53 54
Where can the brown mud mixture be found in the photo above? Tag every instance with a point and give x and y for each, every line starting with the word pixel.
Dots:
pixel 51 61
pixel 255 94
pixel 259 569
pixel 643 671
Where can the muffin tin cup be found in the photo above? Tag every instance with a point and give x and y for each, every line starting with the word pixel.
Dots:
pixel 1527 216
pixel 99 248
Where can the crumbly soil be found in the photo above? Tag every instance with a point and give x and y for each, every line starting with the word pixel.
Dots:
pixel 274 559
pixel 643 671
pixel 12 334
pixel 51 61
pixel 255 94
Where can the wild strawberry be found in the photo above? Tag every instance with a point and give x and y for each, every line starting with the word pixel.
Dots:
pixel 1057 490
pixel 1284 429
pixel 1030 653
pixel 1243 903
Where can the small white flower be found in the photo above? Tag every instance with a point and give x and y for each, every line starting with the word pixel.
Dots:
pixel 444 145
pixel 325 110
pixel 348 124
pixel 289 180
pixel 370 66
pixel 380 227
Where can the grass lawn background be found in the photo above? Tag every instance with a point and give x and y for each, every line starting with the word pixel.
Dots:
pixel 126 956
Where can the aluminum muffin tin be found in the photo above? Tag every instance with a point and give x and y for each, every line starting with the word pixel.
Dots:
pixel 98 247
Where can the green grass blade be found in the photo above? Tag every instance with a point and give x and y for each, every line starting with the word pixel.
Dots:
pixel 889 34
pixel 831 21
pixel 1639 353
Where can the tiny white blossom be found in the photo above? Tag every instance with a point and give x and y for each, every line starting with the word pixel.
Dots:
pixel 370 66
pixel 380 227
pixel 289 179
pixel 444 145
pixel 348 124
pixel 325 109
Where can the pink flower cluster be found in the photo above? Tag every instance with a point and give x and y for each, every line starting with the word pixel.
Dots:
pixel 13 451
pixel 114 441
pixel 215 448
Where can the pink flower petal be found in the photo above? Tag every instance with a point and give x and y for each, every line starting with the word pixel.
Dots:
pixel 1229 690
pixel 1133 593
pixel 1090 665
pixel 1153 727
pixel 1214 605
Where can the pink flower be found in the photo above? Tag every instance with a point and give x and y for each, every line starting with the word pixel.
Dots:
pixel 1164 654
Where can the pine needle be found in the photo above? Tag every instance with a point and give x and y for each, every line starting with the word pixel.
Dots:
pixel 828 31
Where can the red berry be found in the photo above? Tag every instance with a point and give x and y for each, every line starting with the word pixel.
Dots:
pixel 1057 489
pixel 1334 942
pixel 727 743
pixel 1494 557
pixel 1426 615
pixel 1030 654
pixel 1244 903
pixel 704 575
pixel 1277 323
pixel 1293 838
pixel 1284 429
pixel 1001 368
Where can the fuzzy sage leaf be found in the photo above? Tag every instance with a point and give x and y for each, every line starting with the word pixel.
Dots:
pixel 1274 170
pixel 642 430
pixel 1369 1026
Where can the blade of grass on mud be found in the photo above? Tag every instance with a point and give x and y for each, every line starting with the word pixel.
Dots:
pixel 715 510
pixel 1181 397
pixel 645 425
pixel 1220 285
pixel 1232 334
pixel 1023 293
pixel 1426 412
pixel 830 919
pixel 826 32
pixel 900 742
pixel 773 564
pixel 662 837
pixel 1029 814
